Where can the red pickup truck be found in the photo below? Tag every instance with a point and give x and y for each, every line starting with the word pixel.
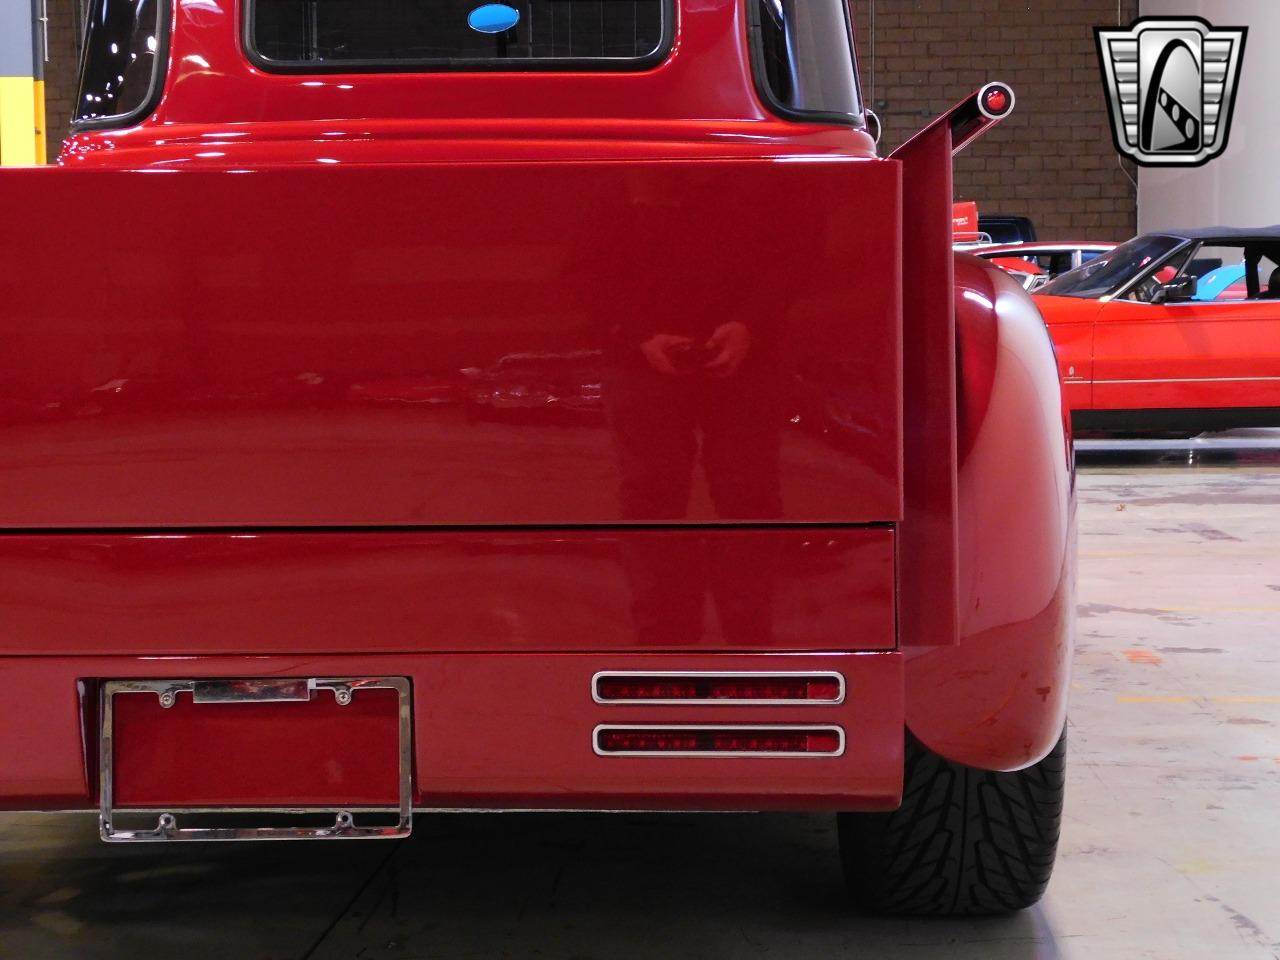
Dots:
pixel 512 406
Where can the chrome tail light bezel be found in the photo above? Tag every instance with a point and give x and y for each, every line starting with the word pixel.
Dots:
pixel 660 675
pixel 745 728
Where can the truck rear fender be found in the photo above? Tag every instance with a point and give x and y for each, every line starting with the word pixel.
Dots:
pixel 997 699
pixel 986 542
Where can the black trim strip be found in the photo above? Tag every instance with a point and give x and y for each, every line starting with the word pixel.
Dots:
pixel 760 76
pixel 159 73
pixel 1164 419
pixel 514 65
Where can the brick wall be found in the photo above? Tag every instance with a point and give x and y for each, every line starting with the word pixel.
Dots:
pixel 61 72
pixel 1054 159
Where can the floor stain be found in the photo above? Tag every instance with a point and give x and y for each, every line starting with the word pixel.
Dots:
pixel 1143 656
pixel 1191 650
pixel 1086 610
pixel 1249 930
pixel 1210 533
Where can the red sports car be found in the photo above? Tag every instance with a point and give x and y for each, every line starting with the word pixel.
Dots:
pixel 1174 331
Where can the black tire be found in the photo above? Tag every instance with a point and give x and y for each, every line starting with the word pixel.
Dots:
pixel 964 842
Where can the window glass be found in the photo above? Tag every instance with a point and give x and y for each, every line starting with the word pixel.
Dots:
pixel 459 32
pixel 1144 290
pixel 804 58
pixel 1109 272
pixel 1050 263
pixel 1223 272
pixel 121 62
pixel 1269 276
pixel 1023 264
pixel 1056 263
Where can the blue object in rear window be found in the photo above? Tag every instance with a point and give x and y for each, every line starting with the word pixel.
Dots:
pixel 493 18
pixel 1215 283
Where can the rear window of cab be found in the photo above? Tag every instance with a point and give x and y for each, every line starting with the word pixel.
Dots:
pixel 316 35
pixel 802 50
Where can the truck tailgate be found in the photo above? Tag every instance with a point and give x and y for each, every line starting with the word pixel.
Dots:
pixel 449 344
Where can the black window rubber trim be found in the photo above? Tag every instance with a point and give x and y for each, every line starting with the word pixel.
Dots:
pixel 159 73
pixel 761 76
pixel 448 65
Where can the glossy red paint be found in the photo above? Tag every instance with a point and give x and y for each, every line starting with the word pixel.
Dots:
pixel 928 572
pixel 1070 323
pixel 1120 355
pixel 278 754
pixel 235 341
pixel 494 731
pixel 998 699
pixel 1213 354
pixel 929 558
pixel 1015 264
pixel 364 385
pixel 701 102
pixel 348 592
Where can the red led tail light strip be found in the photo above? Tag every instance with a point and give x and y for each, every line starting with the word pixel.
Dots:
pixel 718 740
pixel 815 688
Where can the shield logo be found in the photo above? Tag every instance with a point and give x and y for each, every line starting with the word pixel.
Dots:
pixel 1171 87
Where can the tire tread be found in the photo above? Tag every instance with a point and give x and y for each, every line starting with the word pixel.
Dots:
pixel 964 841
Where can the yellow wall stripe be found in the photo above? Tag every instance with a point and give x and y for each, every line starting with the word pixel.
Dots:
pixel 42 142
pixel 17 122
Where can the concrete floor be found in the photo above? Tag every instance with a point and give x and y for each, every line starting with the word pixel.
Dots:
pixel 1171 847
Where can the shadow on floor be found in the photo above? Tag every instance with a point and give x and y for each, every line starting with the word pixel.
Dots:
pixel 502 885
pixel 635 885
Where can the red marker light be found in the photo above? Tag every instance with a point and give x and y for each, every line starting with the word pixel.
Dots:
pixel 995 100
pixel 742 740
pixel 809 689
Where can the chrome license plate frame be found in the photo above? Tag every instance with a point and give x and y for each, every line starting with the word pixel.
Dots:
pixel 254 689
